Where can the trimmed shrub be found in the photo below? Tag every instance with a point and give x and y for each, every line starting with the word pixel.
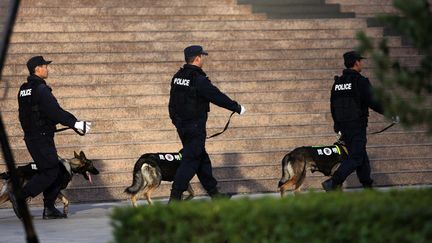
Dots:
pixel 367 216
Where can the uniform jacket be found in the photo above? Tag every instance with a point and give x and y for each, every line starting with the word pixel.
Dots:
pixel 50 111
pixel 192 91
pixel 351 97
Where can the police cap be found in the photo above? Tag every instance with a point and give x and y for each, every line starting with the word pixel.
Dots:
pixel 193 51
pixel 351 57
pixel 35 61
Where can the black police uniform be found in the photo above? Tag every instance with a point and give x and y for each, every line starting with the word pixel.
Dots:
pixel 191 92
pixel 39 112
pixel 351 97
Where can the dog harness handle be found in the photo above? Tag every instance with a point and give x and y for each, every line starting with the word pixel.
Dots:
pixel 225 128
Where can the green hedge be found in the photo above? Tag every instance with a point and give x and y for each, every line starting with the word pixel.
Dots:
pixel 395 216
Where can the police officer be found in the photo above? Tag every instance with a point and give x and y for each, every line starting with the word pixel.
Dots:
pixel 351 98
pixel 190 95
pixel 39 112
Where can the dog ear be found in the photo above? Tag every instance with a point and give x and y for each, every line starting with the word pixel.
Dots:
pixel 82 155
pixel 76 155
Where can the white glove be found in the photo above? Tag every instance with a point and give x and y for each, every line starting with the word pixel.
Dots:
pixel 243 110
pixel 80 126
pixel 395 119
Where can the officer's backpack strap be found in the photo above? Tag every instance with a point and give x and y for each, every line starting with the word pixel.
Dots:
pixel 225 128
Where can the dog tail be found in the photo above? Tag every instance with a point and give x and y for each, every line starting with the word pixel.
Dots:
pixel 138 179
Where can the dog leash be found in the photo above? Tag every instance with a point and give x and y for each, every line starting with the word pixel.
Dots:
pixel 382 130
pixel 225 128
pixel 74 129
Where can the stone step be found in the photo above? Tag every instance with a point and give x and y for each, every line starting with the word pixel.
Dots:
pixel 244 186
pixel 137 11
pixel 116 3
pixel 238 186
pixel 215 120
pixel 57 79
pixel 281 2
pixel 124 95
pixel 125 124
pixel 361 2
pixel 102 98
pixel 309 15
pixel 217 77
pixel 139 67
pixel 395 154
pixel 241 65
pixel 210 46
pixel 61 91
pixel 290 9
pixel 217 55
pixel 134 149
pixel 311 9
pixel 236 171
pixel 187 26
pixel 134 18
pixel 138 112
pixel 256 133
pixel 367 8
pixel 195 35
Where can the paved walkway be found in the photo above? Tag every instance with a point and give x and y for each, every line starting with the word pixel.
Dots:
pixel 87 222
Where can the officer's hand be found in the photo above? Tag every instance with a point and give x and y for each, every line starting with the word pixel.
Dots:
pixel 83 126
pixel 243 110
pixel 395 119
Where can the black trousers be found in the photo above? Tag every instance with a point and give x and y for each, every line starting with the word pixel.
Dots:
pixel 195 158
pixel 357 159
pixel 50 172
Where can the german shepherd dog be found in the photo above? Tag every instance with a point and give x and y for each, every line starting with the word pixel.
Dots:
pixel 79 164
pixel 325 159
pixel 150 170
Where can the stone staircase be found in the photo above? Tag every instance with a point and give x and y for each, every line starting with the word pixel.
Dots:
pixel 113 61
pixel 297 9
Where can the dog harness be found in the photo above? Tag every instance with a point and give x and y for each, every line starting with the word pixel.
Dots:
pixel 168 164
pixel 326 157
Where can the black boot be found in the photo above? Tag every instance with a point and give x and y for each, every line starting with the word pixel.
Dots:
pixel 368 185
pixel 14 202
pixel 51 212
pixel 330 185
pixel 175 196
pixel 215 194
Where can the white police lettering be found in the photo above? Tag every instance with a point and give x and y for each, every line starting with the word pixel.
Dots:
pixel 181 81
pixel 343 86
pixel 25 92
pixel 161 157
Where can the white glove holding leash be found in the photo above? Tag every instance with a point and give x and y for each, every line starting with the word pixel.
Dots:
pixel 395 119
pixel 243 110
pixel 83 126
